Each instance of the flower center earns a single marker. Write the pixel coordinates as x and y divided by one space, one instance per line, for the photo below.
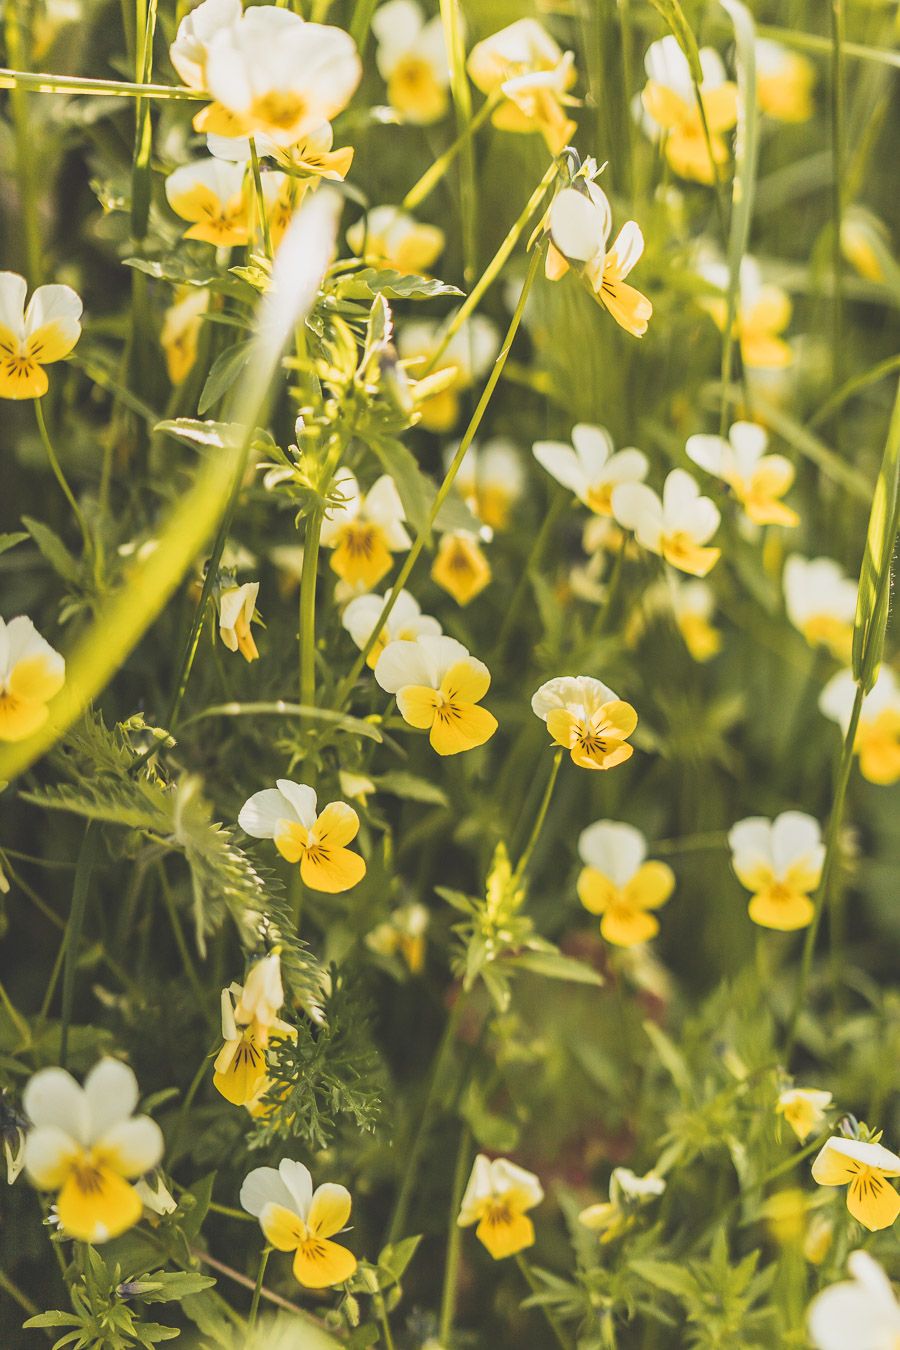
279 108
361 540
19 367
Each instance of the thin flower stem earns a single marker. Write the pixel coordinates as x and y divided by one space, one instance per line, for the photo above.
837 188
269 1295
384 1323
74 84
257 1288
260 199
539 819
311 546
87 856
552 1320
433 175
181 943
454 1236
721 210
18 1295
61 477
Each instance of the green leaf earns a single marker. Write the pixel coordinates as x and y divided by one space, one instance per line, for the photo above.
167 1286
667 1276
467 904
394 1258
53 1319
873 599
8 541
343 721
201 1191
456 515
411 788
183 273
53 549
416 492
554 966
369 282
226 370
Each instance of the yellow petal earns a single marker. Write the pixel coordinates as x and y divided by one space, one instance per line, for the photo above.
282 1228
626 927
617 716
504 1233
239 1073
667 109
465 683
651 886
35 680
760 351
595 891
361 555
628 306
96 1204
688 154
872 1200
461 569
291 840
683 553
331 869
329 1211
417 704
613 752
22 378
318 1264
461 726
20 717
336 825
563 726
781 909
50 342
720 106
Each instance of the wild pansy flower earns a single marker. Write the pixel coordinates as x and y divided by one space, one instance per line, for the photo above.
86 1144
295 1218
490 480
580 223
497 1198
784 82
763 313
388 236
618 883
465 359
180 335
404 934
237 606
804 1109
34 337
863 1167
406 622
214 196
758 480
693 605
31 672
460 566
316 839
364 529
439 688
591 467
780 862
878 734
412 60
627 1193
190 50
671 109
249 1022
524 64
677 526
585 717
821 603
861 1313
309 158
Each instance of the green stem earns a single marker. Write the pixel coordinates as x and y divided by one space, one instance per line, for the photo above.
74 84
436 171
61 477
384 1323
16 47
530 1279
311 544
362 22
87 856
17 1295
454 1236
837 169
539 819
257 1288
260 199
451 18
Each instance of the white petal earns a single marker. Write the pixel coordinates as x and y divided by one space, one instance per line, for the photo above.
265 1186
346 489
23 642
46 1149
749 440
54 304
594 446
843 1317
506 1176
13 290
52 1097
710 452
136 1145
299 1182
750 842
396 26
836 699
637 507
402 664
628 247
111 1090
478 1188
667 64
794 836
563 464
578 227
261 813
626 466
302 800
615 848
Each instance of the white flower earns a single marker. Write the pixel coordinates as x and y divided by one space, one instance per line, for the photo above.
763 312
288 815
34 337
858 1314
780 862
497 1196
676 527
87 1145
180 333
156 1196
31 672
364 529
491 479
878 734
237 606
412 60
668 106
524 63
627 1185
821 602
294 1217
439 686
803 1109
693 604
249 1022
784 82
592 469
189 51
758 480
406 622
580 224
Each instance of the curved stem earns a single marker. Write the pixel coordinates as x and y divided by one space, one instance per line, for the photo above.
80 889
257 1288
433 175
61 477
539 819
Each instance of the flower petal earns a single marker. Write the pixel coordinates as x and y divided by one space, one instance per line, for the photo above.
52 1097
329 1210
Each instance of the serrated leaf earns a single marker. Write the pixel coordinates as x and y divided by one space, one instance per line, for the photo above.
167 1286
182 273
667 1276
370 282
53 549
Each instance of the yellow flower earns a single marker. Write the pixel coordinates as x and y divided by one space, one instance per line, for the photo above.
295 1218
784 82
31 672
406 622
491 480
821 602
237 606
863 1169
86 1144
403 933
439 687
412 61
364 529
878 735
214 196
180 334
758 480
866 243
677 527
34 337
693 604
497 1198
588 719
803 1109
780 862
592 468
670 108
524 64
617 883
579 224
460 567
467 356
287 814
763 313
249 1023
627 1193
390 237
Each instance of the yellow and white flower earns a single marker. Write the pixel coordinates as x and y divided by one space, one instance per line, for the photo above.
364 529
821 603
780 862
288 815
309 158
405 623
863 1168
784 82
862 1312
249 1022
878 735
412 60
180 333
214 196
190 50
671 110
804 1109
491 480
295 1218
627 1193
677 527
86 1144
593 467
588 719
524 64
237 606
403 934
439 687
466 358
497 1198
31 672
758 480
619 884
34 337
763 313
390 237
580 225
460 566
693 605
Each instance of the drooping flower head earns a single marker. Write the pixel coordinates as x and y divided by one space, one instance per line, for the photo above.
497 1198
588 719
31 672
780 862
677 526
591 467
491 480
671 109
618 883
34 337
784 82
803 1109
405 623
863 1168
861 1312
821 602
288 815
763 313
580 223
439 688
237 606
460 566
249 1022
524 64
412 60
390 237
364 529
758 480
86 1144
295 1218
878 734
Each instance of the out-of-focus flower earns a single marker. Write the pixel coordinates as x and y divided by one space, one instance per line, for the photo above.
763 313
404 934
460 567
878 735
758 480
49 20
803 1109
491 480
585 717
364 529
295 1218
390 237
784 82
627 1194
618 883
497 1198
86 1144
670 104
468 355
439 687
12 1133
677 526
865 243
249 1022
693 605
214 196
412 60
31 672
821 602
180 333
406 622
819 1237
780 862
34 337
580 223
863 1168
189 52
592 468
287 814
156 1198
524 64
237 606
862 1312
